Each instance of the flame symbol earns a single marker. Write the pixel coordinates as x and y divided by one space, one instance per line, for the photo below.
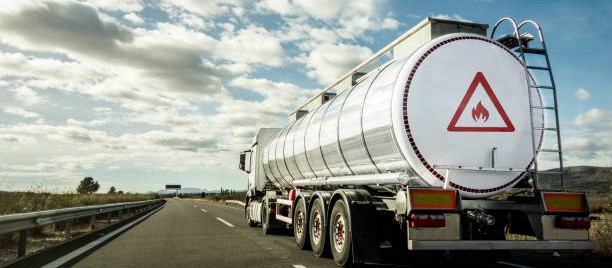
480 113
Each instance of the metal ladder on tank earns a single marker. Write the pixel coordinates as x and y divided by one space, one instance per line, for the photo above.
520 43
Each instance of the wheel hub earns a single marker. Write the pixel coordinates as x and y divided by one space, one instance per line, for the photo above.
299 223
316 228
339 233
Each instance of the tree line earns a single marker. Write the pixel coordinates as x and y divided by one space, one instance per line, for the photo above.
88 186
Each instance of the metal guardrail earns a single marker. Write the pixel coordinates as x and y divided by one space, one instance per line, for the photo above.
235 202
25 221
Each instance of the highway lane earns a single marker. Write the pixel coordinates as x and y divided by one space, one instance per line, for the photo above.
191 233
182 235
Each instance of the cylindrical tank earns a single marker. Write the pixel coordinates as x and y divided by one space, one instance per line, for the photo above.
455 113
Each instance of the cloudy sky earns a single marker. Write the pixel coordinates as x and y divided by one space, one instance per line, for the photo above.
138 93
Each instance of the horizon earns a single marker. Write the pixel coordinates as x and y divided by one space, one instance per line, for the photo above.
139 93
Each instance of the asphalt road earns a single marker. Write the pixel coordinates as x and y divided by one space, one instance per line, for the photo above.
187 233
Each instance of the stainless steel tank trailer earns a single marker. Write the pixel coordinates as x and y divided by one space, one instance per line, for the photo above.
440 148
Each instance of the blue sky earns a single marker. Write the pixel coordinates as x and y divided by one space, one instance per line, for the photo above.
139 94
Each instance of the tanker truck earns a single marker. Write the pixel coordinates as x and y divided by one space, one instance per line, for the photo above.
453 144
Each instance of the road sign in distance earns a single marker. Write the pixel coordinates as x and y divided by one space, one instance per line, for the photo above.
173 186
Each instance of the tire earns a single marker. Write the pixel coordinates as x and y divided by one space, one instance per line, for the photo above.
300 225
340 238
250 221
317 229
265 218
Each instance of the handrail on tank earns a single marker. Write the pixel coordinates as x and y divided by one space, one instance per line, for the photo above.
536 25
514 25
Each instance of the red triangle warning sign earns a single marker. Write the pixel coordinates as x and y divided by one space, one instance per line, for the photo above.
479 112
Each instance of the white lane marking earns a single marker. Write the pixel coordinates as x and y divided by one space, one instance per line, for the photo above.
225 206
204 210
514 264
226 222
195 206
68 257
299 266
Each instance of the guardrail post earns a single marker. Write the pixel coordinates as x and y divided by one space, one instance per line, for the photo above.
21 246
121 214
68 229
92 222
108 217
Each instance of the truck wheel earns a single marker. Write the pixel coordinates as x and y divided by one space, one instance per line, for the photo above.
251 222
318 229
300 224
247 215
265 218
340 234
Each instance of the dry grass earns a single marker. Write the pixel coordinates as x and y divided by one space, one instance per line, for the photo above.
601 234
21 202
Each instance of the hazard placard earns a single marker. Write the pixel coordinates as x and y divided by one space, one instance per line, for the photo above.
479 118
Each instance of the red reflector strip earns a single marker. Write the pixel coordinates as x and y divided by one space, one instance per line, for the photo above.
292 194
433 199
426 220
573 222
561 202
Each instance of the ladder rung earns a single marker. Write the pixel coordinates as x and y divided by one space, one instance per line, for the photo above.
539 86
544 107
545 128
534 50
548 150
537 67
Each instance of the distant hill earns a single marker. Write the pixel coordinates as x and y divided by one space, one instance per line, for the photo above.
588 178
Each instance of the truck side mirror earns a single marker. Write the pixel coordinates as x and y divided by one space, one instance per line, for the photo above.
245 161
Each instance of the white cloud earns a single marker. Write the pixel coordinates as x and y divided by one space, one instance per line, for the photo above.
327 62
118 5
594 118
331 8
66 25
282 7
320 9
103 110
390 23
208 8
450 17
92 123
347 19
19 139
27 96
590 142
162 59
133 18
20 112
278 95
193 21
18 64
582 94
252 45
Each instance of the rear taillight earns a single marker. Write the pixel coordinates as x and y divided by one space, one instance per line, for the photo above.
418 220
573 222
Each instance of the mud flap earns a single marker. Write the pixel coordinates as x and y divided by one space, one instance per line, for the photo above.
366 234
